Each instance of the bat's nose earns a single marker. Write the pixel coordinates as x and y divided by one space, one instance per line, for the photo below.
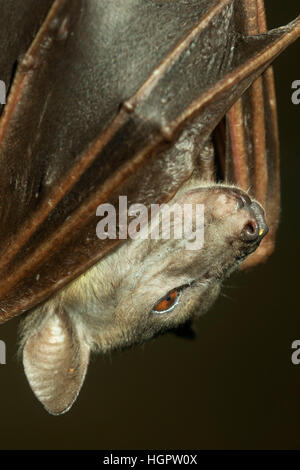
255 227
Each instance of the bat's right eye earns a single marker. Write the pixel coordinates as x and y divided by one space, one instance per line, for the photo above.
168 302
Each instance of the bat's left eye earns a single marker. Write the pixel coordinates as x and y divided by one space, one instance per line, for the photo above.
168 302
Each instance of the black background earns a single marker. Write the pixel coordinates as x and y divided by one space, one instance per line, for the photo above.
233 387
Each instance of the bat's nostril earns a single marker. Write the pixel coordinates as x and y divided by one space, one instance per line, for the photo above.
255 227
250 231
251 227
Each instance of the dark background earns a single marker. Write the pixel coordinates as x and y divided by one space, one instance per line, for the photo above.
233 387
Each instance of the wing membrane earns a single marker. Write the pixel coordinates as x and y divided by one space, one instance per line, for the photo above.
67 146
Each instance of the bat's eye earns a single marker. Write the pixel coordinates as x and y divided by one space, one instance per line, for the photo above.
168 302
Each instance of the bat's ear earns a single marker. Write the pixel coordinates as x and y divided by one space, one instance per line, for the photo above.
55 359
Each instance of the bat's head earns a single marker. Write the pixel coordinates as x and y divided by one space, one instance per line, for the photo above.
150 284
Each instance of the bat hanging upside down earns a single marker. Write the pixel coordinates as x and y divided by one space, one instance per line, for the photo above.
145 287
165 102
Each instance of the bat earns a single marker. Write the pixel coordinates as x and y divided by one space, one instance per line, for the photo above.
162 101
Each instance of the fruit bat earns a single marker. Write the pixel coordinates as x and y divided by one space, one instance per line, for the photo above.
164 101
